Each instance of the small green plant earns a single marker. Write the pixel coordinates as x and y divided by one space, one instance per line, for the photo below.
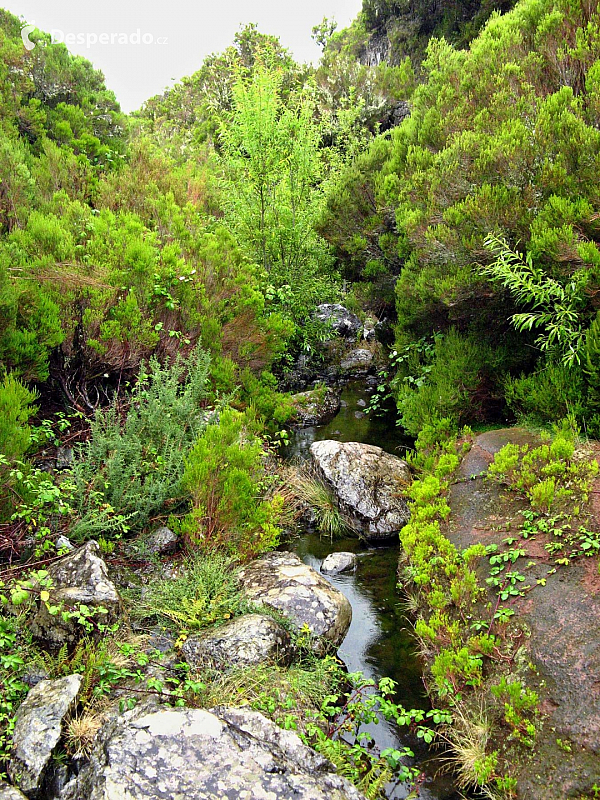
564 745
468 739
16 408
550 476
520 703
204 593
453 669
13 689
45 509
338 733
542 494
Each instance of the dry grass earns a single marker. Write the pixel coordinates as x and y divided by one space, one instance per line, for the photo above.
81 732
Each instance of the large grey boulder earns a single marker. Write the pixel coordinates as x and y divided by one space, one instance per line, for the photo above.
10 793
283 582
369 485
342 321
246 641
315 407
81 577
197 754
37 731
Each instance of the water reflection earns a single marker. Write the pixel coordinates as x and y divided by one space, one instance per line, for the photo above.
348 427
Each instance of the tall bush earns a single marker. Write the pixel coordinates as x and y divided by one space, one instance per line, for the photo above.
16 407
226 476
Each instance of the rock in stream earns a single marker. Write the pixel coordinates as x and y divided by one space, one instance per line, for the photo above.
283 582
335 563
369 485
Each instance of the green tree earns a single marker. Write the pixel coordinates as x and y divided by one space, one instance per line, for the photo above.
271 186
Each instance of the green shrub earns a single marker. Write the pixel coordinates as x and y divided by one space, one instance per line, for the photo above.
448 387
30 327
274 407
548 474
506 462
134 467
425 490
591 362
16 407
453 668
226 477
547 395
542 494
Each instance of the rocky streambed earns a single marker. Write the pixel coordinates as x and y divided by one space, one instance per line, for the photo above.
344 592
154 751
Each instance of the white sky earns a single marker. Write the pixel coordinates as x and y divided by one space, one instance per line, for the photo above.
191 30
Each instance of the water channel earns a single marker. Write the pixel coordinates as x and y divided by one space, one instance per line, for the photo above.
379 642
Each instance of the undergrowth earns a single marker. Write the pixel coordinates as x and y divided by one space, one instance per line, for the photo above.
204 592
463 648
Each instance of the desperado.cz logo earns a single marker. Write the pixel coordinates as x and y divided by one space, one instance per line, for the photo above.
90 39
25 31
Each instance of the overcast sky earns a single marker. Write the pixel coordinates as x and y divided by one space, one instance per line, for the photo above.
181 33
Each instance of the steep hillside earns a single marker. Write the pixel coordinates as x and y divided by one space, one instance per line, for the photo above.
484 204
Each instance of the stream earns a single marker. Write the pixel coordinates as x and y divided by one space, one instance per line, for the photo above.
379 642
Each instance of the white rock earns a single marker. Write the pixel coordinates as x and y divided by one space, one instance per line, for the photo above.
338 562
369 485
81 577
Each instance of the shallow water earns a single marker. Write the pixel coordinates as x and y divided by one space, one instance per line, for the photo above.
347 426
379 642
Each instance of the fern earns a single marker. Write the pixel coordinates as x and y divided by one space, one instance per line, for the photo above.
54 664
554 307
374 782
206 592
65 663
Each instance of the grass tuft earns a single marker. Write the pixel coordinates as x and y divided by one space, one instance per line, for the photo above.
81 732
468 740
311 490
